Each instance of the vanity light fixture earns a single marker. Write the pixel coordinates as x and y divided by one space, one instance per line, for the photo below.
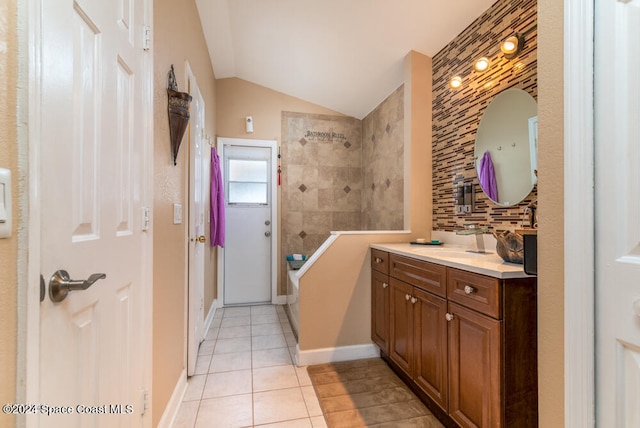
455 82
481 65
512 46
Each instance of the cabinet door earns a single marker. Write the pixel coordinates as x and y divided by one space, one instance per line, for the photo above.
401 326
474 367
380 310
430 341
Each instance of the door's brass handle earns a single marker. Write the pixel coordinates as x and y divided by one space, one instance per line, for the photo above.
201 239
60 284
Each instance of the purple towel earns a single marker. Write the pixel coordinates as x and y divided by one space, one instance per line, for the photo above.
216 213
487 177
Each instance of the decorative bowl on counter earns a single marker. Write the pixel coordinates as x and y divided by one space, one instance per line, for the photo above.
510 246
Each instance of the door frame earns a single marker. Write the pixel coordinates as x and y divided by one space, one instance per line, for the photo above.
273 145
29 311
579 219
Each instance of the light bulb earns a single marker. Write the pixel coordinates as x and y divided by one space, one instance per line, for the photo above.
509 45
481 64
512 46
455 82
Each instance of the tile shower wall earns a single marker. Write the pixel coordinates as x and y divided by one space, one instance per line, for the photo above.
321 178
383 165
457 113
341 173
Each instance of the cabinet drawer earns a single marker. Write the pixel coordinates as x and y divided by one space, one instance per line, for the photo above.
478 292
428 276
380 260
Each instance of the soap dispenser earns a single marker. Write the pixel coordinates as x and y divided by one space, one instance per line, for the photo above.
460 198
469 198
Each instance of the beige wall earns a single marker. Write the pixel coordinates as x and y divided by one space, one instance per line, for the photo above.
177 38
9 247
417 113
237 98
335 293
551 213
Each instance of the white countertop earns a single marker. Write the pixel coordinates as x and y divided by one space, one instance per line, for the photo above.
490 264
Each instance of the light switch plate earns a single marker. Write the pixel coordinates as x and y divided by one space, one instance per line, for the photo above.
177 214
5 203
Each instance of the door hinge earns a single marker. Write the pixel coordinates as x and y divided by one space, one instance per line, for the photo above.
146 37
144 401
146 220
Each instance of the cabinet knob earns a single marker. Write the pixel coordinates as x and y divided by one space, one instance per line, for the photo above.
378 260
449 317
385 285
414 300
469 289
407 296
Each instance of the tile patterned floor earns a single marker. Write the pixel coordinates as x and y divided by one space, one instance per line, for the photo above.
245 376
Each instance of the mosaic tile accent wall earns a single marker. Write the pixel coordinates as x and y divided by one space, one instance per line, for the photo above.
383 165
321 178
457 113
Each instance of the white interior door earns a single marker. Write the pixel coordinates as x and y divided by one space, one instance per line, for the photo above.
617 154
197 240
94 82
248 180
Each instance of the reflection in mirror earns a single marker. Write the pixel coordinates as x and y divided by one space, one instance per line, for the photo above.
506 149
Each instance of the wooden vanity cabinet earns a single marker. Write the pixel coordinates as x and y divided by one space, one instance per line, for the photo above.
401 325
380 299
465 342
493 350
474 373
418 332
431 366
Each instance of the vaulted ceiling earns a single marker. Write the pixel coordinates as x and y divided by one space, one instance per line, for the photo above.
346 55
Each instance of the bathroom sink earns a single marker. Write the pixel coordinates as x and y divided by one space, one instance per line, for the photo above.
458 253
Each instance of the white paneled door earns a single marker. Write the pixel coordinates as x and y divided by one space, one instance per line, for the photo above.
94 84
617 159
198 187
249 197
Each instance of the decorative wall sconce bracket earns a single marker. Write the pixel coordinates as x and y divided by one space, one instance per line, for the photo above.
178 108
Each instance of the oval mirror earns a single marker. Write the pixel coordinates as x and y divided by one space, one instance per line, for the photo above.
506 149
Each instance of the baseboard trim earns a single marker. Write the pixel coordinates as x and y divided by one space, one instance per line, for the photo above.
331 355
209 319
173 406
279 300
